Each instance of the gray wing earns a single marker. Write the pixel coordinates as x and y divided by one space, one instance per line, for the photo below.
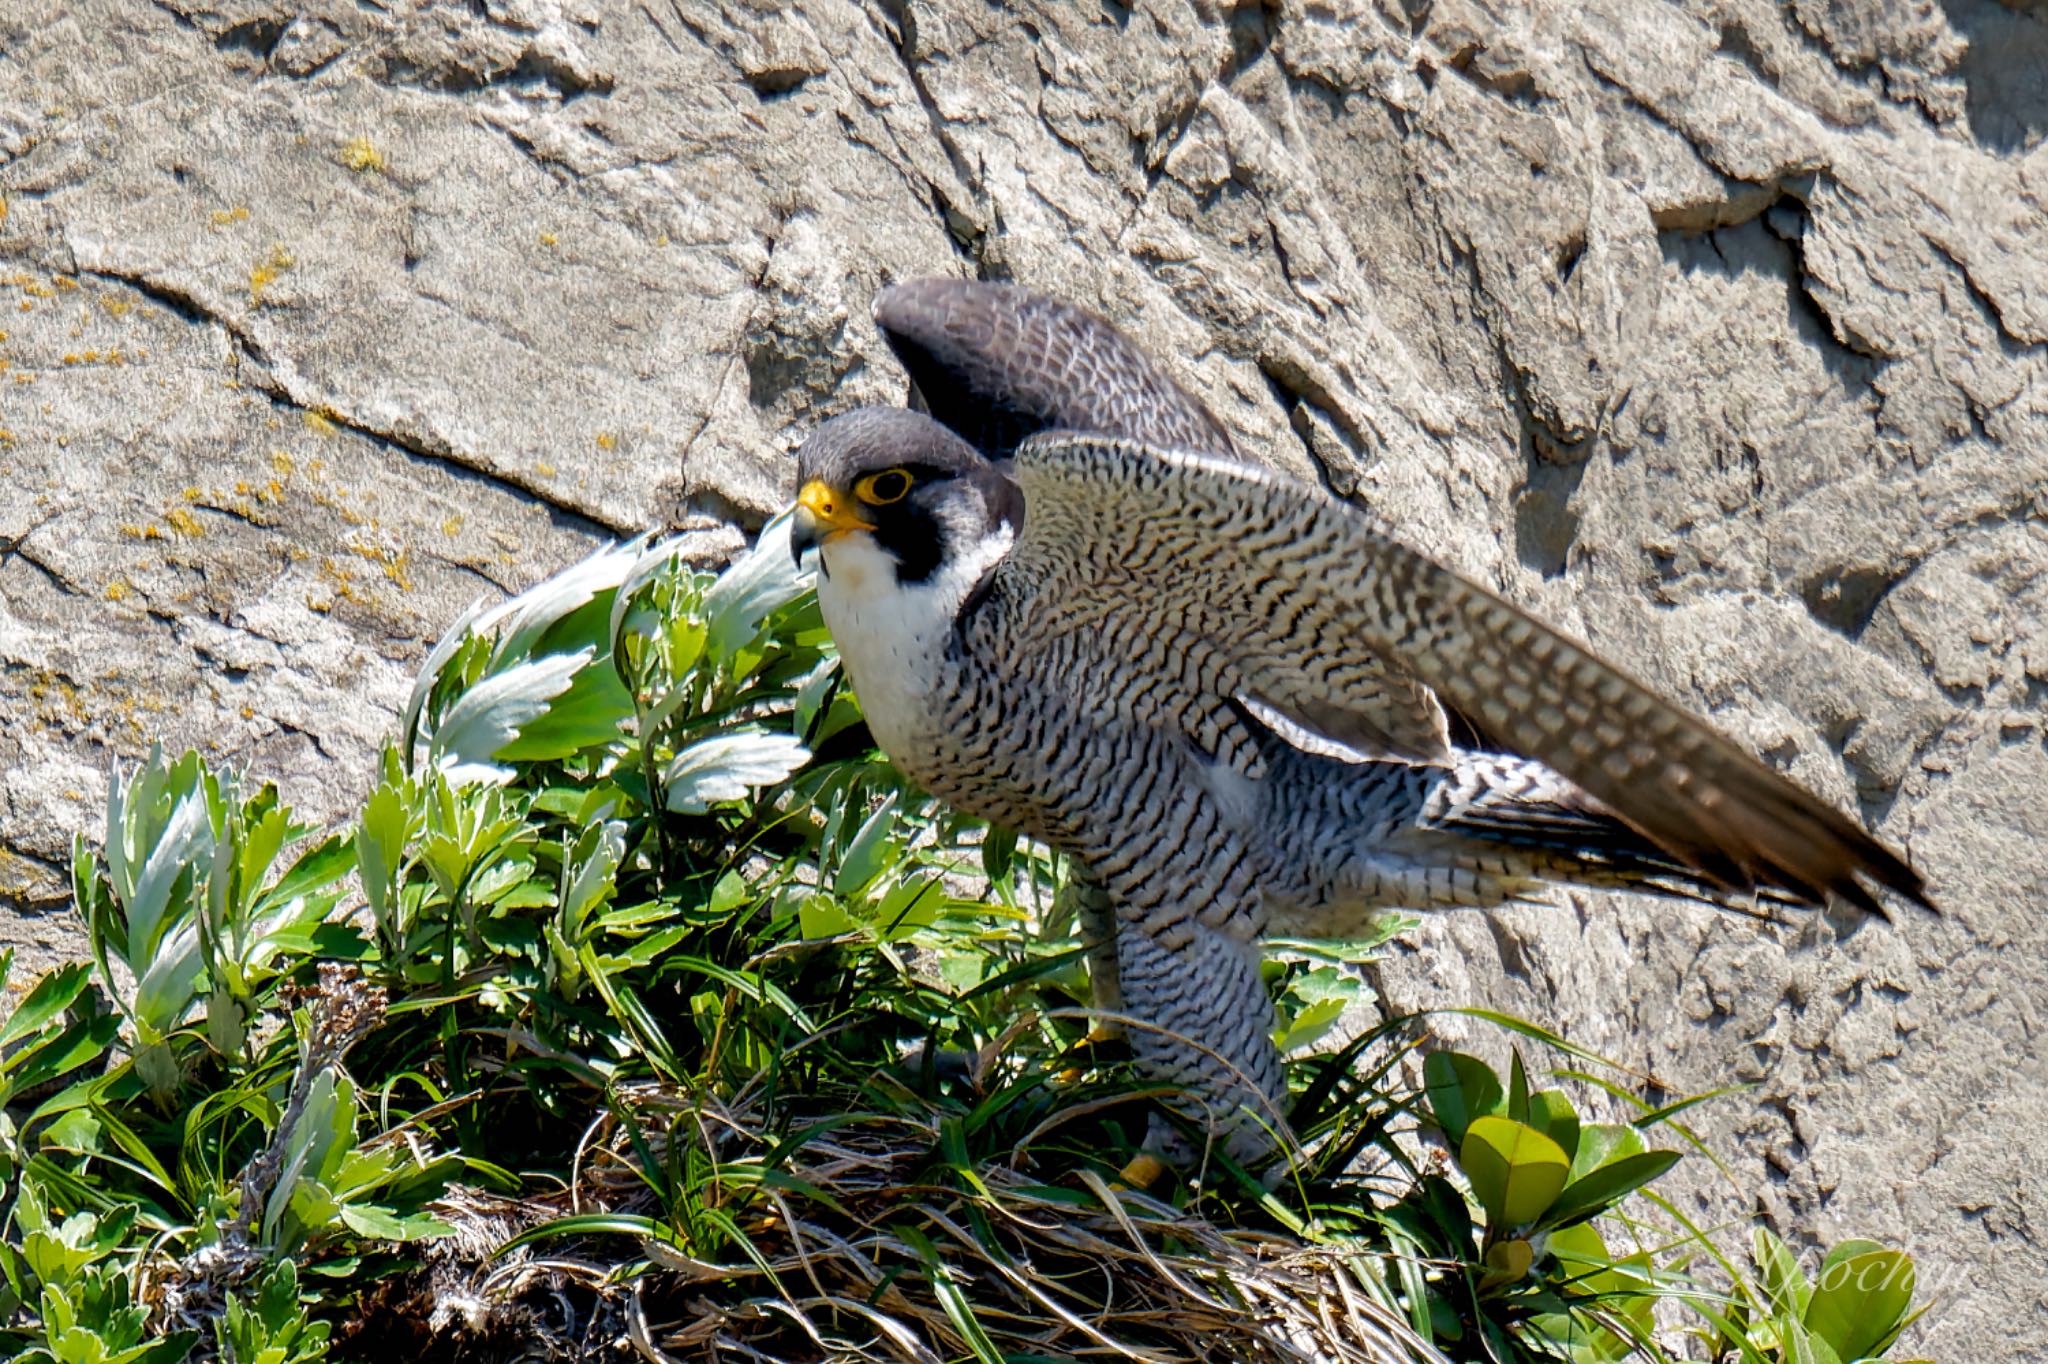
1316 608
998 363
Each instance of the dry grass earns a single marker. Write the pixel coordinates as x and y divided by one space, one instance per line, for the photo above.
863 1243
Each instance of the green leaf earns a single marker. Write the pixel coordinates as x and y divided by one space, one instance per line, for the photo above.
51 996
911 904
589 871
77 1130
1311 1024
1783 1281
869 851
998 852
1603 1143
1460 1088
318 869
1552 1114
821 916
588 715
58 1055
1516 1171
1859 1298
758 582
381 836
959 1311
490 715
1609 1184
367 1219
592 1224
728 767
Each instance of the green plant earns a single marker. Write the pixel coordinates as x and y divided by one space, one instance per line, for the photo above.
1855 1306
637 952
271 1325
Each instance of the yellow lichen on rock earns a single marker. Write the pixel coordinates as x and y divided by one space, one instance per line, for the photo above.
359 155
267 271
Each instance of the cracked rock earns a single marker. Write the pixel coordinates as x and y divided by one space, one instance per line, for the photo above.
1716 332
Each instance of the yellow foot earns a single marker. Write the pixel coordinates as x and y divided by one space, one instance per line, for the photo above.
1143 1172
1097 1036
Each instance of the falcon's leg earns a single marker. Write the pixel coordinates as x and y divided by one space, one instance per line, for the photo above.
1199 1018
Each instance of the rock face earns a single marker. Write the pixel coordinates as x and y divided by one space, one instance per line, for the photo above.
1716 332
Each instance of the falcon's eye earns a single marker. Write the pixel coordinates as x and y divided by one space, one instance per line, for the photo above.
879 490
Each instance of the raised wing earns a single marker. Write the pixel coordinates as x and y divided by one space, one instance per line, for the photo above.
998 363
1318 609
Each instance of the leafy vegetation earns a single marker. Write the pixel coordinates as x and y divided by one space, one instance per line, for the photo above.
643 1002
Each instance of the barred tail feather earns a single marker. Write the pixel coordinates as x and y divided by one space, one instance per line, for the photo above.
1516 804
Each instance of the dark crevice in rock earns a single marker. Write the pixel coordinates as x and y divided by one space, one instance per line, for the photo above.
903 41
1294 381
287 727
464 566
1967 694
1875 794
776 83
1291 402
261 374
1740 202
536 72
178 16
1251 34
43 894
166 296
1516 86
1845 598
1514 955
703 501
1546 526
560 171
257 37
579 518
1855 360
1569 253
656 24
1251 37
1735 41
2005 98
2010 342
18 549
545 69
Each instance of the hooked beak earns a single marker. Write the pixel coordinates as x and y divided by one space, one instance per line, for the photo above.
822 516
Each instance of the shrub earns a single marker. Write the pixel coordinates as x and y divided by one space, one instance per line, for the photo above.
643 999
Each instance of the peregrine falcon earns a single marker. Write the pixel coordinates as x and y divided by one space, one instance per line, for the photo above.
1240 705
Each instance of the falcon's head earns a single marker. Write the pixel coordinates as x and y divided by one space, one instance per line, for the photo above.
891 494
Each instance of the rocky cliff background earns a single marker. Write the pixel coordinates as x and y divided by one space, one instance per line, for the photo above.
1715 332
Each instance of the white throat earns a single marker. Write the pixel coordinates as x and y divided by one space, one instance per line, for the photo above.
891 635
